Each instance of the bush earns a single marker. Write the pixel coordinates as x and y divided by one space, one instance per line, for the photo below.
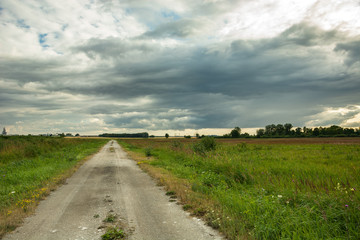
205 145
209 143
148 151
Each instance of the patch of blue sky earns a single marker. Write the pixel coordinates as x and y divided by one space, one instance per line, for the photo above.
170 14
21 23
42 40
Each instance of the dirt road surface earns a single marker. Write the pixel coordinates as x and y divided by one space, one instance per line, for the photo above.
110 183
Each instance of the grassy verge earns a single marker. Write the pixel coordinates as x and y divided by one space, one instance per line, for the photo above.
257 191
30 167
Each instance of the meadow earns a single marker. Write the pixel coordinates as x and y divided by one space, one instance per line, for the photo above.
261 189
31 167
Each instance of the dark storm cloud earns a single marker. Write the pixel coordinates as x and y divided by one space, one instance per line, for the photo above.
236 83
184 66
352 49
23 70
114 48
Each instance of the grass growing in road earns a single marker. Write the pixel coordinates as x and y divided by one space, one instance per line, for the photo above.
31 166
113 233
266 191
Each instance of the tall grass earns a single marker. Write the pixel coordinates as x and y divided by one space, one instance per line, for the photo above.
29 164
272 191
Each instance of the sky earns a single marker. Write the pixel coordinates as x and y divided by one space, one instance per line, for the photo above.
182 67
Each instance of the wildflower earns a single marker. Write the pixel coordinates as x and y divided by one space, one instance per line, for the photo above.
9 212
12 192
352 189
346 205
287 202
279 196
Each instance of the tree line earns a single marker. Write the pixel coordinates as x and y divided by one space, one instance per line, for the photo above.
288 130
126 135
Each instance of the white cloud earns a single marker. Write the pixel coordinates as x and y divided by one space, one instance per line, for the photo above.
66 23
263 19
348 116
352 122
339 15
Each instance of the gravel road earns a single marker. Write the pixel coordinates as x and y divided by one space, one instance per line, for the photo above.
110 183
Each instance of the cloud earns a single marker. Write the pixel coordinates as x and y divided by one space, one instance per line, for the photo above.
179 29
348 116
103 66
115 48
352 49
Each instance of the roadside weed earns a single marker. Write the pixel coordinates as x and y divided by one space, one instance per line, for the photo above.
113 233
110 218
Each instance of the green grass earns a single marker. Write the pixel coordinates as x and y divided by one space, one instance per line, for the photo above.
308 191
113 233
29 162
31 166
110 218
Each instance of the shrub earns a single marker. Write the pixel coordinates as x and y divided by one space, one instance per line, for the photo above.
209 143
206 144
148 151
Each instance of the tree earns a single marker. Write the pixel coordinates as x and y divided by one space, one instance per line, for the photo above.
235 133
280 129
349 131
4 132
166 135
334 130
270 130
260 132
307 131
288 127
316 132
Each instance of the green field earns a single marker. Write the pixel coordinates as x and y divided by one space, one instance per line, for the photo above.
30 166
265 190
